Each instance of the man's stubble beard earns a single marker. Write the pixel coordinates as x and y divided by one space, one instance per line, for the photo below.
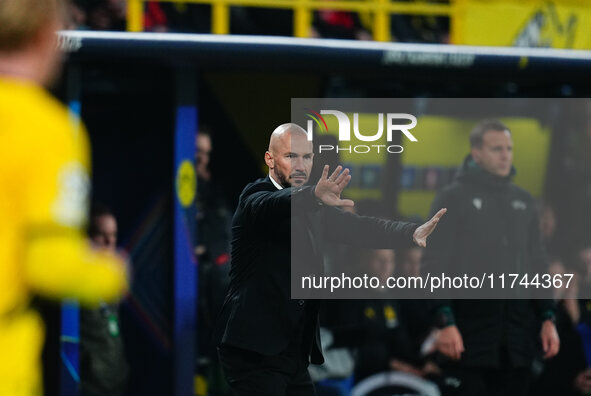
285 181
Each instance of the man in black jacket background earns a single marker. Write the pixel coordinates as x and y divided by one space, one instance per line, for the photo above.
103 366
266 339
493 225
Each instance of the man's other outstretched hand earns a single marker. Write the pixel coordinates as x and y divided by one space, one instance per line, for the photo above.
328 189
422 232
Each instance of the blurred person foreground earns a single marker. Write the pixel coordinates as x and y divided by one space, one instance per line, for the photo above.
44 181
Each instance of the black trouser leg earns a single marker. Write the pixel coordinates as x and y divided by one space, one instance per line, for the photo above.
252 374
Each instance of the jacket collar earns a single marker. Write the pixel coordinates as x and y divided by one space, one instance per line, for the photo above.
275 183
471 172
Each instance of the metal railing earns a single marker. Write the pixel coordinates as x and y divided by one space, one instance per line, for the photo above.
303 9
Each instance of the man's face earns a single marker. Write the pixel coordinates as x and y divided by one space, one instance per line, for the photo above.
547 221
203 153
382 264
496 153
117 7
585 257
411 265
291 161
106 232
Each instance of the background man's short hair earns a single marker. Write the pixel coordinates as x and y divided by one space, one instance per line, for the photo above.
476 136
204 130
97 210
21 20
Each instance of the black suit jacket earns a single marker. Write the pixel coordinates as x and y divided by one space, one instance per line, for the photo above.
259 314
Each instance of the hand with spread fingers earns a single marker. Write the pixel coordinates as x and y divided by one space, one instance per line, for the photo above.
328 189
422 232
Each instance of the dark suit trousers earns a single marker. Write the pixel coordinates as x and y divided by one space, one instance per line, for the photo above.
286 374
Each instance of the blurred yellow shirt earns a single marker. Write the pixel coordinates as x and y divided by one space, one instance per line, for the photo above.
44 186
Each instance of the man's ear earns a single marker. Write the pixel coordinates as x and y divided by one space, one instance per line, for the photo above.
269 160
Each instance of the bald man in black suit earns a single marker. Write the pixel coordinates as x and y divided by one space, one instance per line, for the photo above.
266 339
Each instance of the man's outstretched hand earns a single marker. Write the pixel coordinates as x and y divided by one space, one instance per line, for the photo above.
328 189
421 233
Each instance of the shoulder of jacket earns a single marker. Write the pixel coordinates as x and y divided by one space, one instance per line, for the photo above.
257 186
452 189
521 192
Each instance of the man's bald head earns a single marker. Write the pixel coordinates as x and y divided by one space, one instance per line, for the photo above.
283 133
290 154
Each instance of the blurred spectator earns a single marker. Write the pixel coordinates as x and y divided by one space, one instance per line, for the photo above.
213 216
548 224
106 15
77 16
584 258
582 382
380 263
102 229
416 312
111 15
103 367
203 148
375 327
339 25
155 19
571 186
411 261
547 221
567 297
567 373
387 343
584 327
213 252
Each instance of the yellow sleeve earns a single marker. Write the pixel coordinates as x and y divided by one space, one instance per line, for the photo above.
58 173
58 260
64 266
